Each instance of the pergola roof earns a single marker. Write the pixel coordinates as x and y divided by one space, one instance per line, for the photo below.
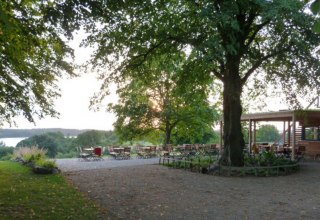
305 117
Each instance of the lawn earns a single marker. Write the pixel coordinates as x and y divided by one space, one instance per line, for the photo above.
25 195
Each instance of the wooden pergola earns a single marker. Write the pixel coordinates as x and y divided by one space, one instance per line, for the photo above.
289 119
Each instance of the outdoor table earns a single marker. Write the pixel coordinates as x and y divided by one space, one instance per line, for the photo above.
264 147
88 150
118 149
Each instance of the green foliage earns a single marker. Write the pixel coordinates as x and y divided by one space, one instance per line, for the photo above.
267 158
32 59
57 145
196 162
267 133
96 138
24 195
194 135
315 8
5 152
49 142
50 164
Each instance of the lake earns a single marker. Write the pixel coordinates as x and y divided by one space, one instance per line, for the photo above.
12 142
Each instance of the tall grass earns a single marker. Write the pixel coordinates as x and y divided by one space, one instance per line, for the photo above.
29 154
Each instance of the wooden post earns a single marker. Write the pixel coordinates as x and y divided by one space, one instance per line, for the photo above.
284 132
289 134
294 136
254 133
221 135
250 135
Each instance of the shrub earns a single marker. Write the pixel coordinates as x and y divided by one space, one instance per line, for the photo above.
5 152
267 158
45 163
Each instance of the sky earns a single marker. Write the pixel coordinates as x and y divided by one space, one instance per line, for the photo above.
73 106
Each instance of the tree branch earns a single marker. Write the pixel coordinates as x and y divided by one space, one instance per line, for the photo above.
259 62
253 36
145 55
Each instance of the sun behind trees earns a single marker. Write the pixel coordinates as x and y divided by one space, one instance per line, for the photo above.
155 99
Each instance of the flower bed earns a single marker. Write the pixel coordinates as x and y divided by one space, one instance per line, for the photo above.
258 171
265 164
35 158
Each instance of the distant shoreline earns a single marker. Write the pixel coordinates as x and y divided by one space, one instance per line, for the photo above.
18 133
12 141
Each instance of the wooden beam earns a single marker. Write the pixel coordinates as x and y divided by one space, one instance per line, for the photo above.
294 137
284 132
289 134
254 133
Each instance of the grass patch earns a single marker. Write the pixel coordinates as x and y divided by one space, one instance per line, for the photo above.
25 195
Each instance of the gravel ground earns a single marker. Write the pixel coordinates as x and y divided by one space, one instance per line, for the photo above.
75 164
157 192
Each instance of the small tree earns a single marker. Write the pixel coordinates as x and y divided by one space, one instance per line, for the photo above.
267 133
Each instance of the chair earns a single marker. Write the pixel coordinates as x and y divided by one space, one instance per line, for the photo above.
113 153
255 149
127 153
97 153
166 150
300 153
153 151
83 155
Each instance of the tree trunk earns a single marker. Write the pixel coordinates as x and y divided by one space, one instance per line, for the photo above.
233 138
168 135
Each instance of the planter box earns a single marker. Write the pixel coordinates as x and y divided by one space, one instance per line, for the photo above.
43 170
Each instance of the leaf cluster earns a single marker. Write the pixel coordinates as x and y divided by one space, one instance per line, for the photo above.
33 56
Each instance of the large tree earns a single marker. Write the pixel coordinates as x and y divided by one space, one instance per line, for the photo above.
230 40
32 58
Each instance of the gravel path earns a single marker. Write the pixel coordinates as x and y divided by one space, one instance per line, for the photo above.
75 164
157 192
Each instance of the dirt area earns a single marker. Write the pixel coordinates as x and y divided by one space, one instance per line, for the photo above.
157 192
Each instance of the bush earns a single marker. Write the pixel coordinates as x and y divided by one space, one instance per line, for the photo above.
267 158
49 164
70 154
5 152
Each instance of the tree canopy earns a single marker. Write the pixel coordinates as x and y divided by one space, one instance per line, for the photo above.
32 58
229 40
95 138
267 133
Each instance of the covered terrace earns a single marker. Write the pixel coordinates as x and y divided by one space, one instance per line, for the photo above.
295 123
